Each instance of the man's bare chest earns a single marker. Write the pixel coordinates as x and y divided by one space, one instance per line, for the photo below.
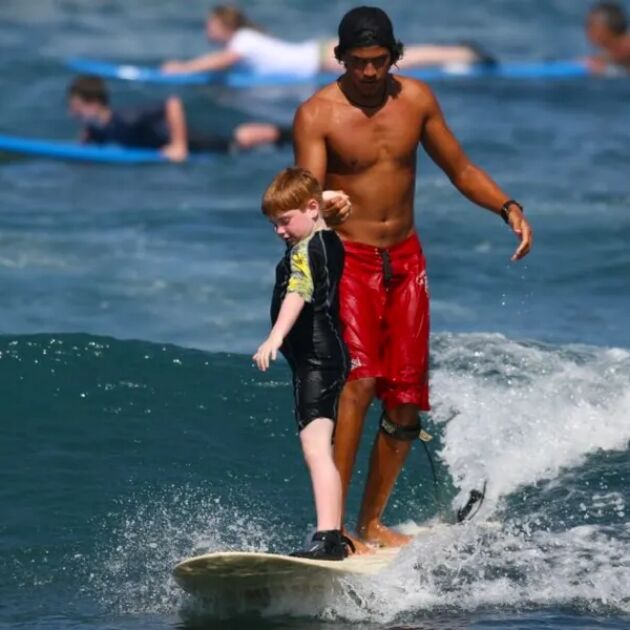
356 141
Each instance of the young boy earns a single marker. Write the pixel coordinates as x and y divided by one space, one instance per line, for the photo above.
159 126
305 318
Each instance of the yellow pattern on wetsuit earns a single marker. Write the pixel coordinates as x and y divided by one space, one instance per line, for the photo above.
301 278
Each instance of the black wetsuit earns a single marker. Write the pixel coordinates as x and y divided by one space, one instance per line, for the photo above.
314 347
147 128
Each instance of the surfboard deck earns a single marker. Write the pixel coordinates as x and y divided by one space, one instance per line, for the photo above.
252 571
61 150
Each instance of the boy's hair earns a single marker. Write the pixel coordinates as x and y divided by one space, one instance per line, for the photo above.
612 15
290 189
90 89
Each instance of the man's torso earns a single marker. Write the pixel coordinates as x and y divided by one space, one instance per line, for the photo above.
372 157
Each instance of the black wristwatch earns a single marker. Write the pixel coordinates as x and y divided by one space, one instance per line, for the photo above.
505 208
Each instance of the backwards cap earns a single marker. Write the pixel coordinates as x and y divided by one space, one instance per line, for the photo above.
367 26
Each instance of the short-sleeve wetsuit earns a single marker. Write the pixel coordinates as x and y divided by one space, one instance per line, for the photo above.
314 347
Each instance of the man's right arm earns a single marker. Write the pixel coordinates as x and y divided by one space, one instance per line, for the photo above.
309 144
309 149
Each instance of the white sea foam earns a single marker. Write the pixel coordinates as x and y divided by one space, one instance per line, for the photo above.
525 412
514 414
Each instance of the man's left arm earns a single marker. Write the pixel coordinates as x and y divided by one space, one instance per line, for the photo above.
473 182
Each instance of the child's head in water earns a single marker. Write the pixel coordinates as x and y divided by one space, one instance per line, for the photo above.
88 98
292 202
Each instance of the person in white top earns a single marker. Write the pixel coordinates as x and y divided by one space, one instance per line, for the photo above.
248 47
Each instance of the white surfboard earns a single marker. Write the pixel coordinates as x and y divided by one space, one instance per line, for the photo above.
245 571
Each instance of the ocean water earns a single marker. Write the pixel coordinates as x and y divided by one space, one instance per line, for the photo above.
134 431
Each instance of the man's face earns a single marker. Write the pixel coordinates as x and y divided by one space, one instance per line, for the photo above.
597 32
367 68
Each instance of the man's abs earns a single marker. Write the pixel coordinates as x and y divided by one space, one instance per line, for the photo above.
382 206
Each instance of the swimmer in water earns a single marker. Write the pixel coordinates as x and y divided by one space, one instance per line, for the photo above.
607 30
245 45
161 125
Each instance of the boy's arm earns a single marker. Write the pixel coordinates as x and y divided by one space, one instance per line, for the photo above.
300 290
213 61
177 148
290 310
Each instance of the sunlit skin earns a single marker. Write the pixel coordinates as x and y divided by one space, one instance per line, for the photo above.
360 134
615 47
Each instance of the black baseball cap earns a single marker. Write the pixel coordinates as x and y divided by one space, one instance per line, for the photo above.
362 27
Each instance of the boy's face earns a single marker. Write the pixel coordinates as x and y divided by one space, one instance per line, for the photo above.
293 226
83 110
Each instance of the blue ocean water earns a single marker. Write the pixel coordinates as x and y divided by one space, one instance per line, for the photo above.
134 431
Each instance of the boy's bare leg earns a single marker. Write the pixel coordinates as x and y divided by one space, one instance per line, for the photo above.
316 440
386 462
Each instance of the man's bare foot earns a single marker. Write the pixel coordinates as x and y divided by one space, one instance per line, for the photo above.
360 548
377 534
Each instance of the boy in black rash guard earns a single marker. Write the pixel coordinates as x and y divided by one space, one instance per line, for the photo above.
159 126
305 317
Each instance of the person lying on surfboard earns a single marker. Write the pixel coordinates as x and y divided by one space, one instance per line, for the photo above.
245 45
159 126
305 319
607 29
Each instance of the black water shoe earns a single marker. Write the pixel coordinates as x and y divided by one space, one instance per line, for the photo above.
327 545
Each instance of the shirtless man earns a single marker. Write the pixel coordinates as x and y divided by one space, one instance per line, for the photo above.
360 135
607 29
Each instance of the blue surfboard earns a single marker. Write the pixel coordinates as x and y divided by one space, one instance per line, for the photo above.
243 79
112 154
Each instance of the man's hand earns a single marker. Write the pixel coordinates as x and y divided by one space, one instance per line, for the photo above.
523 230
267 352
337 207
175 152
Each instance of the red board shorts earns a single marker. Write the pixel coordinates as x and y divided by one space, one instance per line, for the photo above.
384 309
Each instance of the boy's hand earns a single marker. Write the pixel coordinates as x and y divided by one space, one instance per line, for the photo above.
268 350
337 207
175 152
